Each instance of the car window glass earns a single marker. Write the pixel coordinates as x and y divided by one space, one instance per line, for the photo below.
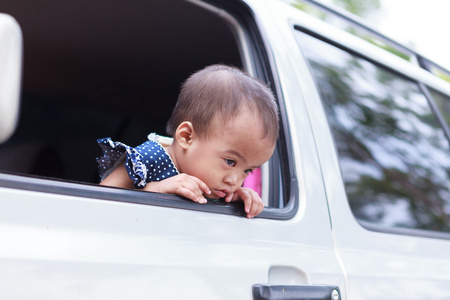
393 154
443 103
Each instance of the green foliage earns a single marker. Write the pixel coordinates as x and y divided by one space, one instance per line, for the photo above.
309 9
358 7
442 75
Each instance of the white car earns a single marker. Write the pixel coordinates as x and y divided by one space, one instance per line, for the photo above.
357 192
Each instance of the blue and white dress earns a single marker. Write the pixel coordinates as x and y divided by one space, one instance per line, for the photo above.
145 163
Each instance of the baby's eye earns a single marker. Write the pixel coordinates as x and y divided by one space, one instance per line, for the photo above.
248 171
230 162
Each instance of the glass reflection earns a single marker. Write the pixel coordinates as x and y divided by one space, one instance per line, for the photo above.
393 154
443 104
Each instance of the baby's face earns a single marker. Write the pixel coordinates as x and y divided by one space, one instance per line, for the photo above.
228 155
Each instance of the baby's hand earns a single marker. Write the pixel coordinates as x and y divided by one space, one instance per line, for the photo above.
252 202
184 185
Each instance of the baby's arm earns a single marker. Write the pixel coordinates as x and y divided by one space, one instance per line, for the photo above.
187 186
253 204
118 178
184 185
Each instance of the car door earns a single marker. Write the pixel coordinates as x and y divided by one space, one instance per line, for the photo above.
384 155
77 240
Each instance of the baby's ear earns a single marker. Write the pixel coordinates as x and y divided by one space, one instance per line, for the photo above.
184 134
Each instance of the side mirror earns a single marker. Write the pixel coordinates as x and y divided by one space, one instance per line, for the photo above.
10 74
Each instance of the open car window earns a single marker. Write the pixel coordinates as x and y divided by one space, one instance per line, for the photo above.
114 70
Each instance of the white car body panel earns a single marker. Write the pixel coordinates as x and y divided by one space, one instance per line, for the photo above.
85 249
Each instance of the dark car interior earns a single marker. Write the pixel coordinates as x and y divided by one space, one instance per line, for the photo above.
100 68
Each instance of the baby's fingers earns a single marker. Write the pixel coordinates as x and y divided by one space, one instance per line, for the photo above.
193 188
203 187
229 197
188 193
253 204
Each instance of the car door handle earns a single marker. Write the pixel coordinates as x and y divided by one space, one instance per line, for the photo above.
295 292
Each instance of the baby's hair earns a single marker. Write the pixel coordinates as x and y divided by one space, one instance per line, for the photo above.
225 90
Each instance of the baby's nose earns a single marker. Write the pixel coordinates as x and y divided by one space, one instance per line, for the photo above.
231 179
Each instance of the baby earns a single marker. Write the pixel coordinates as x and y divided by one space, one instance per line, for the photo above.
224 126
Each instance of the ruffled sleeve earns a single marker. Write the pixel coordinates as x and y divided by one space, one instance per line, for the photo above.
144 163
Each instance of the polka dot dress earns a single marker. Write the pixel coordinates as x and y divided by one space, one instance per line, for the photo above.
145 163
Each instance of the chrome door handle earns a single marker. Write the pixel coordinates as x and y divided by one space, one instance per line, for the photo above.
295 292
